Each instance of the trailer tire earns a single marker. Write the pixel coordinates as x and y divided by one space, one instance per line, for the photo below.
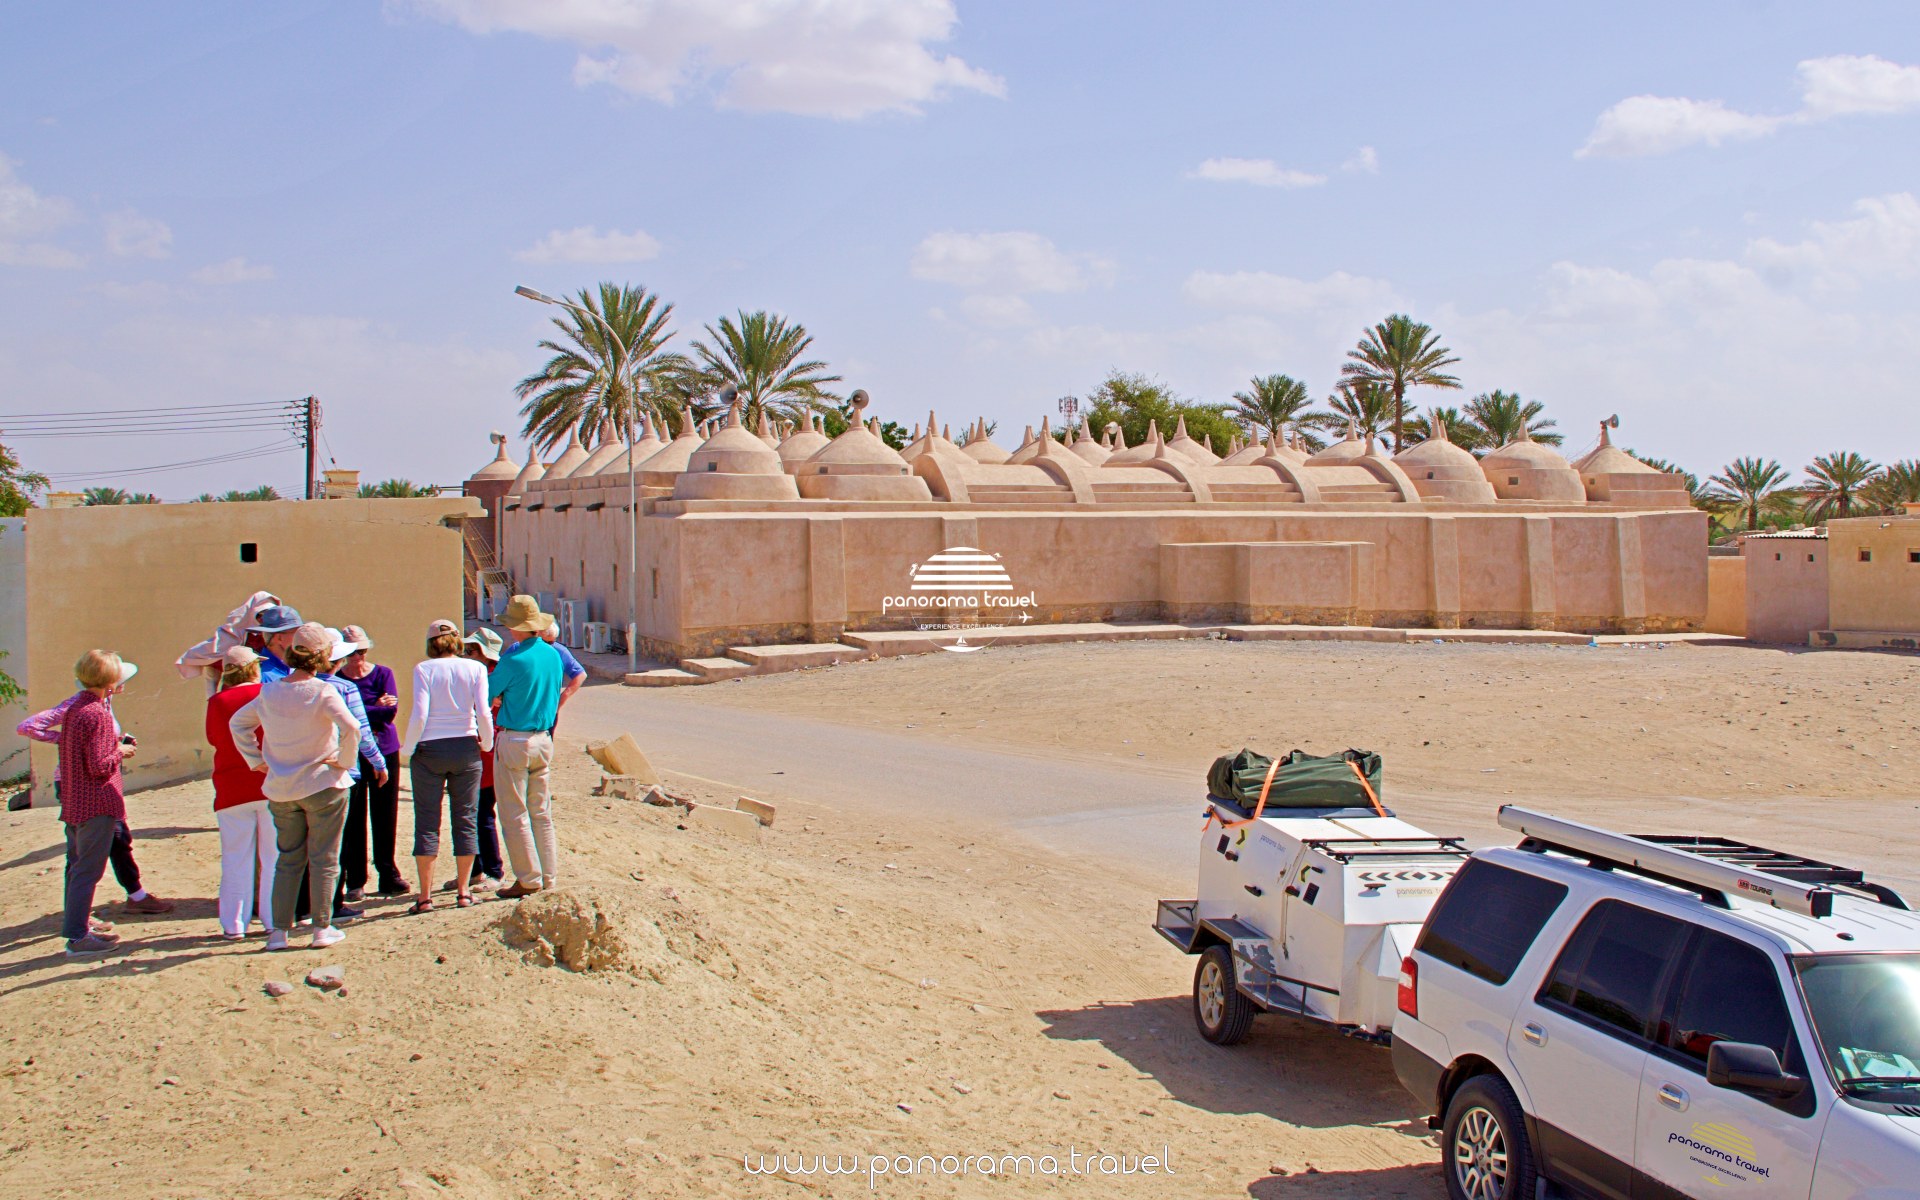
1223 1014
1483 1144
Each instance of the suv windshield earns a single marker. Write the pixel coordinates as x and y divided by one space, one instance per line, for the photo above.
1866 1015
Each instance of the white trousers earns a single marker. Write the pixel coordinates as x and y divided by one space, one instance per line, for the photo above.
248 853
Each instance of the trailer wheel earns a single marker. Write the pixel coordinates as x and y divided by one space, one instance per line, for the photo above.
1483 1144
1222 1013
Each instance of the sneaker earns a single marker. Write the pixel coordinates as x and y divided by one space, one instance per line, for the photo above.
89 946
343 913
150 904
356 895
394 887
329 935
516 891
276 939
482 883
96 925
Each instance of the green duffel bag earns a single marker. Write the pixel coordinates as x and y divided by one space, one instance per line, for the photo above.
1302 781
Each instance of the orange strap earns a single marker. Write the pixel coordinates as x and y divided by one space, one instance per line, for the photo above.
1366 787
1265 785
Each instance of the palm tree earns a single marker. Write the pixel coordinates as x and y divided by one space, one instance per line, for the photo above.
90 497
265 491
1695 492
1271 403
1502 416
596 375
763 357
1369 408
388 489
1747 489
1833 481
1895 487
1397 354
1461 429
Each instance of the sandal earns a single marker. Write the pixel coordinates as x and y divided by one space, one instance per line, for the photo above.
418 907
464 900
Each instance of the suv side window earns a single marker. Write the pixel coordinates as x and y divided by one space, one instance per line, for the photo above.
1728 992
1486 920
1610 972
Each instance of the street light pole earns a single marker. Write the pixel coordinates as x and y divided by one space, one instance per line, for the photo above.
633 493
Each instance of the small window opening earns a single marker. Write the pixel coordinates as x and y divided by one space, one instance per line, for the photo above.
616 577
1776 558
549 570
583 574
656 582
249 552
1866 556
1513 481
1809 558
1429 474
713 466
1913 556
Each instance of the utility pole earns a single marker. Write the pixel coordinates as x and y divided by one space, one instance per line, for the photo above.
312 414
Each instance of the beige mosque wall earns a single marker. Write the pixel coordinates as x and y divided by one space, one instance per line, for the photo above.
1786 586
1873 575
1727 595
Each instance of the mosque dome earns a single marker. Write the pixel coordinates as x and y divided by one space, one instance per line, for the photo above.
1087 448
672 458
1441 470
533 472
801 445
644 447
858 465
606 448
501 467
1182 443
1609 459
1528 470
936 443
570 458
1133 456
734 464
980 447
1345 450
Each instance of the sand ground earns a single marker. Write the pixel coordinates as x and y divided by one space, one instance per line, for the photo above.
865 982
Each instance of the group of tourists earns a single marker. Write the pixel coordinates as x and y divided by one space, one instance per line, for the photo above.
306 762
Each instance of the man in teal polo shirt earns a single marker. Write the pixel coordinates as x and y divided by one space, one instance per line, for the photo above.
525 688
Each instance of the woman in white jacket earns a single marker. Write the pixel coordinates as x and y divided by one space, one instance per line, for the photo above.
308 740
450 723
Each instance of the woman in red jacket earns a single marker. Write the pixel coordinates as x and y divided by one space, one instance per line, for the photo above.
246 828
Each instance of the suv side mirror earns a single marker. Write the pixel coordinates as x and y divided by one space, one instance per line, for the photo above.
1750 1068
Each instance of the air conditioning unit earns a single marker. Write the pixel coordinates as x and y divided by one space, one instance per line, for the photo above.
549 601
573 616
599 639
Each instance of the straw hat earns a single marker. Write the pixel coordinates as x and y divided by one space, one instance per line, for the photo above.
523 615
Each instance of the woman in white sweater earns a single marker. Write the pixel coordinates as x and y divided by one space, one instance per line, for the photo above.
308 740
450 724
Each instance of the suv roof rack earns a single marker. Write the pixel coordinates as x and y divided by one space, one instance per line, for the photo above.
1713 867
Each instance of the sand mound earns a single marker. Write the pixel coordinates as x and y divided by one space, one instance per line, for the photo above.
586 931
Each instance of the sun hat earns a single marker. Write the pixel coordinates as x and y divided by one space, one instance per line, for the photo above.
275 618
436 628
127 671
523 615
313 637
341 646
488 641
238 656
358 636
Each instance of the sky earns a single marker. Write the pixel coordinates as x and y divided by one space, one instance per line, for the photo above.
1700 217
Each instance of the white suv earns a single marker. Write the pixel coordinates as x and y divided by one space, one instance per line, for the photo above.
1598 1015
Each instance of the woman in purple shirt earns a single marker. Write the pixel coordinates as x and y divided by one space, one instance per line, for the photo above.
369 801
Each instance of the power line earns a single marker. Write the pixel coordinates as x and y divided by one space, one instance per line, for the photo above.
266 451
286 405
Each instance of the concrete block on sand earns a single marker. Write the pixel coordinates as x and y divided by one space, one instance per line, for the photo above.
761 810
731 821
623 758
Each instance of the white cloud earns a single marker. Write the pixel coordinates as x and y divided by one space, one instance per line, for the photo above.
997 312
233 270
1261 172
130 235
1011 263
1829 87
1642 125
1882 241
26 218
1365 160
585 244
1262 291
829 58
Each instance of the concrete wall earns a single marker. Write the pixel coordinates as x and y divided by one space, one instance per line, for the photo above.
151 580
13 639
1873 577
1786 588
714 574
1727 595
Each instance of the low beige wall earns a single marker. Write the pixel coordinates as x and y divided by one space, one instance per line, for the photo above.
1786 588
1727 595
1873 575
151 580
13 642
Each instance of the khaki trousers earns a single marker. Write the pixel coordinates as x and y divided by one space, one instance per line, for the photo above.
525 806
307 834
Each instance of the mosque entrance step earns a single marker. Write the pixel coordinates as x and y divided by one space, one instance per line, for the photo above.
663 677
766 660
715 669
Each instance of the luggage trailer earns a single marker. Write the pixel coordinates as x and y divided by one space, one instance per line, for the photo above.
1306 913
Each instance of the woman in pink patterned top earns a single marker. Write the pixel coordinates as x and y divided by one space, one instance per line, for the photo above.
92 805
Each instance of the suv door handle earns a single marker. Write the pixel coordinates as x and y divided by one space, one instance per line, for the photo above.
1673 1097
1534 1033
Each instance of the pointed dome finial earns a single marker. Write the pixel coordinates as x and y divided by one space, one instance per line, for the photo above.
1353 429
1153 433
1436 428
1605 440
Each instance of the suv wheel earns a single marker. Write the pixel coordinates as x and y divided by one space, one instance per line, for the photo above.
1222 1013
1483 1145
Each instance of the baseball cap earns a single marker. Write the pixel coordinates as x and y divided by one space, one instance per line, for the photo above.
341 646
275 618
239 656
436 628
358 636
313 637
